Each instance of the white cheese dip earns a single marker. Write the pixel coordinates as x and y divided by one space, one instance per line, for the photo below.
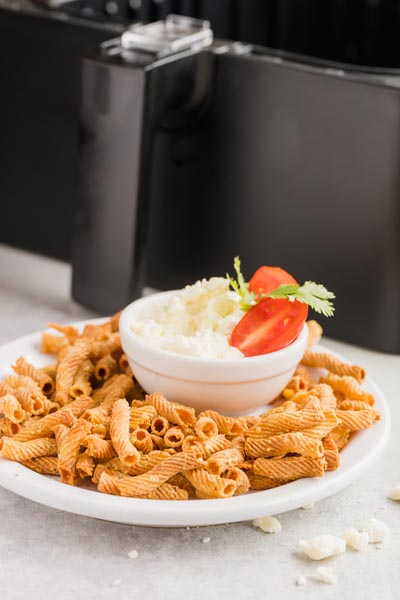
197 321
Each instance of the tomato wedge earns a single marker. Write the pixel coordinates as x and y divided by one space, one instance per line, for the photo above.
266 279
270 325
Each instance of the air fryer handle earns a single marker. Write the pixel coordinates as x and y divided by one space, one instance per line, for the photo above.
107 252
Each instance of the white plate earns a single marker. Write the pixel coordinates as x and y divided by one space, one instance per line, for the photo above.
356 458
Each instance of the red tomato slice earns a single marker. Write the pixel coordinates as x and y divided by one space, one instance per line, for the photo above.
270 325
266 279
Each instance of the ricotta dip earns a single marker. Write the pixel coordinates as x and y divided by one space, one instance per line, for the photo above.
197 321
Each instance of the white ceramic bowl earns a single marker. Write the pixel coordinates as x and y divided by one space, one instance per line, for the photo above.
233 387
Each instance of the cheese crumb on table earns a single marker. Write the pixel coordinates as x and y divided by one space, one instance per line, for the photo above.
322 546
356 540
206 540
395 493
268 524
301 580
325 574
133 554
377 531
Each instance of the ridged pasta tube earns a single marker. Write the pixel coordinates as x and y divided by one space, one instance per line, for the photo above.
68 367
289 468
226 425
223 460
46 465
44 427
349 387
174 412
210 486
331 453
284 443
20 451
11 408
141 485
45 382
119 431
324 360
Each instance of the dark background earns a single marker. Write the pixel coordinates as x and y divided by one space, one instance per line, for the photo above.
40 59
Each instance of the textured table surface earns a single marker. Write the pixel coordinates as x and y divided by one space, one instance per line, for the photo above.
48 554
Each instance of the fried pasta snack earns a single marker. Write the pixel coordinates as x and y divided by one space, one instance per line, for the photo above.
85 418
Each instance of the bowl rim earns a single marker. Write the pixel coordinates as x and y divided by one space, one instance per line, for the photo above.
256 364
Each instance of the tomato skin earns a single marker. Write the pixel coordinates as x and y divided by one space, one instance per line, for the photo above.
270 325
266 279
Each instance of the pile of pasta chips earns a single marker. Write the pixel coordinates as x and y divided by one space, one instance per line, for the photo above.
85 418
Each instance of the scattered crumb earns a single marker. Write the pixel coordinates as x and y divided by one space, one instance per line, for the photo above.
377 531
206 540
359 501
378 546
301 580
356 540
308 506
133 554
395 493
383 507
116 582
325 574
322 546
268 524
300 516
187 527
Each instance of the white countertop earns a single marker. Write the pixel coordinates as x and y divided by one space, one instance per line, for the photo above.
49 554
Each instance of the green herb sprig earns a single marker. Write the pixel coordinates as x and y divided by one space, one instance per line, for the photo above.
314 294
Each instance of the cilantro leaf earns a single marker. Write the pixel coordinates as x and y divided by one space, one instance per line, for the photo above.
311 293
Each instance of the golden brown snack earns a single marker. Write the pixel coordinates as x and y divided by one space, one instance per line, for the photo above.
223 460
11 408
141 485
68 449
314 333
141 439
284 443
105 367
82 385
45 382
324 360
75 356
119 431
349 387
290 467
331 453
226 425
46 465
206 428
166 491
20 451
242 481
174 412
210 486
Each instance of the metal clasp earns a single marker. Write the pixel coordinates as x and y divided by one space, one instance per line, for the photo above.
173 35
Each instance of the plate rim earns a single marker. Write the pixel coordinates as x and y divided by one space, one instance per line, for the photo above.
158 513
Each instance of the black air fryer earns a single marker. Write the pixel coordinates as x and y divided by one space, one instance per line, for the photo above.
194 151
